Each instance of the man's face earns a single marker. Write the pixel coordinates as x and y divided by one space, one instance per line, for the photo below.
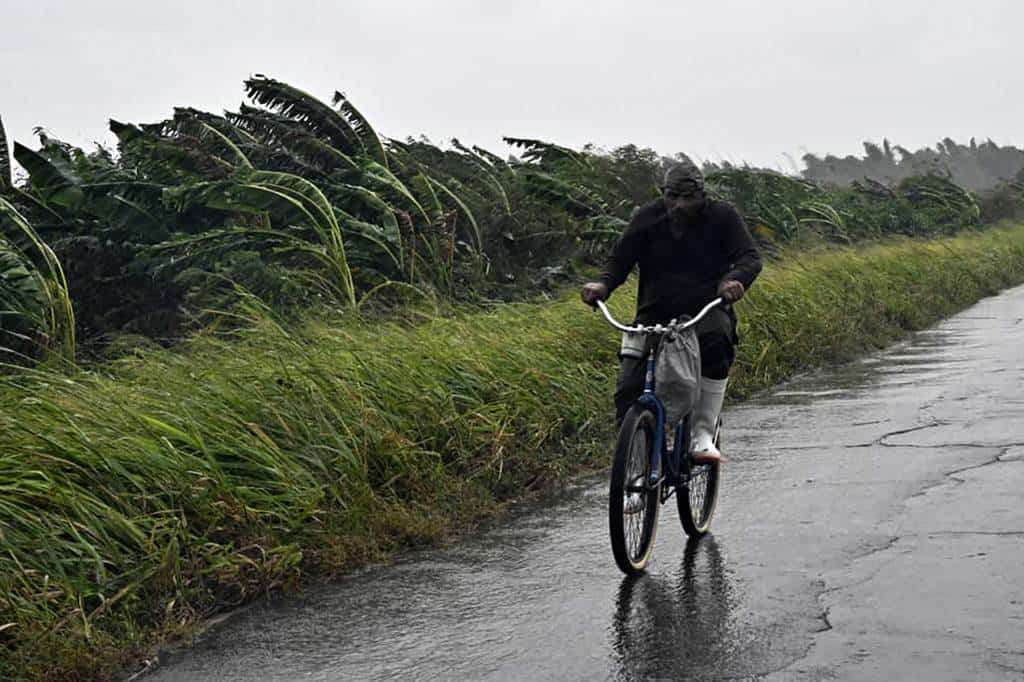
683 203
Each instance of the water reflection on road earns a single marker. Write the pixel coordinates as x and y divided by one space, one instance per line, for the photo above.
662 623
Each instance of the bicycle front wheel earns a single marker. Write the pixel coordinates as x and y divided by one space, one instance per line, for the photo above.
698 497
633 503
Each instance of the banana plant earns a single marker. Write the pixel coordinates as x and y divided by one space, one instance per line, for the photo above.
299 221
319 118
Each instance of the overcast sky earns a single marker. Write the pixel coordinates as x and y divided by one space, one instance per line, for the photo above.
728 79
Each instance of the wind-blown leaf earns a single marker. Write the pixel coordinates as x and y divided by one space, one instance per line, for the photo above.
280 243
315 115
301 189
385 179
167 159
426 195
465 211
53 185
204 132
278 131
22 289
361 127
576 199
487 170
491 158
6 174
134 207
356 197
375 235
126 132
60 314
296 199
546 153
221 124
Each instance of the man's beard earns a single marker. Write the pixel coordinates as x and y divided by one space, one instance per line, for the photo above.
684 216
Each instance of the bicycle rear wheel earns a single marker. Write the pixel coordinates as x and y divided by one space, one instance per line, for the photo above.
633 503
698 497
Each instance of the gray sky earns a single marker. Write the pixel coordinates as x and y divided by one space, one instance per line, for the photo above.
729 79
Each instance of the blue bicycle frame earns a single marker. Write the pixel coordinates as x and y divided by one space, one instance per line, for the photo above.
650 400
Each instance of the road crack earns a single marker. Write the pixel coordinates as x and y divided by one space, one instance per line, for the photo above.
889 544
1003 450
881 439
827 623
914 429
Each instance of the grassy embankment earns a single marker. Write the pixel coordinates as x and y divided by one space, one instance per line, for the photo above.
138 501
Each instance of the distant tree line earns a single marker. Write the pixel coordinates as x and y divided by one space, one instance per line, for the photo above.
973 166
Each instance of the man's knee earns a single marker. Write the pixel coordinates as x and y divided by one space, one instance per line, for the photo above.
716 335
716 365
717 353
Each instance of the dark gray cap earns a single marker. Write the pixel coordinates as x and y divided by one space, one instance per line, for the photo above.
682 176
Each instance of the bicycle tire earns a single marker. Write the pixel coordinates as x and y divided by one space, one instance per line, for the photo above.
698 497
633 514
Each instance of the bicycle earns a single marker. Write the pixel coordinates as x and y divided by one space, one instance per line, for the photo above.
640 483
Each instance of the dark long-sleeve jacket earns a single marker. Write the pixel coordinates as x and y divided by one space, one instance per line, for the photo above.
679 276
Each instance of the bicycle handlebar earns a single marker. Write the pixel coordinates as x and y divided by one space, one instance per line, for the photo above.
658 328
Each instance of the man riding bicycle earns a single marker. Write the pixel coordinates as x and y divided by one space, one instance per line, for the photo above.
689 249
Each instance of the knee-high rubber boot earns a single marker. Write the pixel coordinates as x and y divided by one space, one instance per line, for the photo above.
709 405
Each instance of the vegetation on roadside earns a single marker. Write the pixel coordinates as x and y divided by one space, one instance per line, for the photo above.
150 492
303 203
289 400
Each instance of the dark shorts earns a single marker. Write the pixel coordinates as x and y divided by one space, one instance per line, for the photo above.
716 334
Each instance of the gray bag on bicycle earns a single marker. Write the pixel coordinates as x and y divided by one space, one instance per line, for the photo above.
677 374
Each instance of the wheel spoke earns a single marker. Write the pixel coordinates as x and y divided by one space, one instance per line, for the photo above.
634 503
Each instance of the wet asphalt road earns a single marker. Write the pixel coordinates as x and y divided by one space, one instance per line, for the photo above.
871 526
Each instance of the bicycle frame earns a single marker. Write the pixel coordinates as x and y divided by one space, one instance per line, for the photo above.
678 466
675 457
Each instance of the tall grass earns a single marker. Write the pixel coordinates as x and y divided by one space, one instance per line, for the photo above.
827 305
142 497
37 270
